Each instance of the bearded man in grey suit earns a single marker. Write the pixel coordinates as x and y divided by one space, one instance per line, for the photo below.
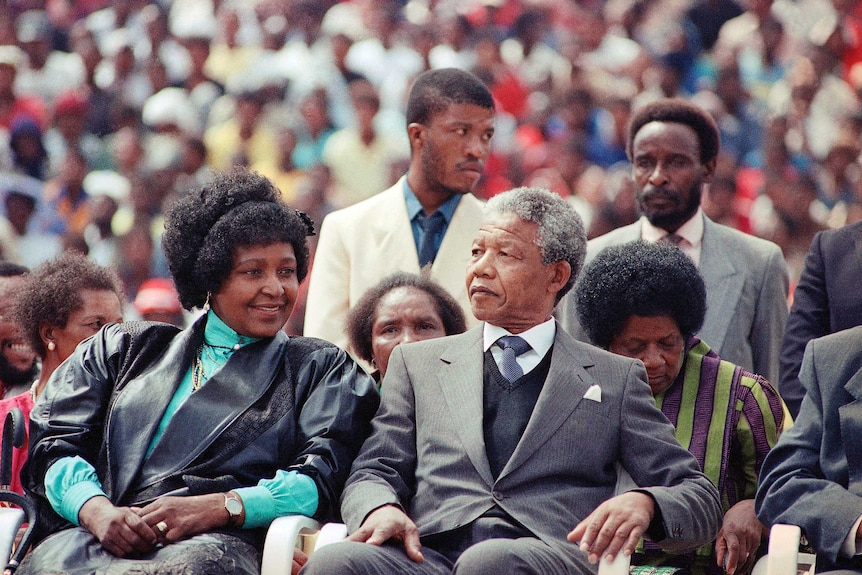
673 146
498 455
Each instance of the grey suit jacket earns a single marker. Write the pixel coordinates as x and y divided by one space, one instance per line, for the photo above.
361 244
746 295
427 453
813 475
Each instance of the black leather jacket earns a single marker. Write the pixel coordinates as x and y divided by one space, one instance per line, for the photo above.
280 403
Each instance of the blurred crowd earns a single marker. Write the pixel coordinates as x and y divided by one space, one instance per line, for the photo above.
109 110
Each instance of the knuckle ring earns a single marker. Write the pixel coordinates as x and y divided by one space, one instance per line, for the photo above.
162 527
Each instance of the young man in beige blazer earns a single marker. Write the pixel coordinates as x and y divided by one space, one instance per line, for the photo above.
450 122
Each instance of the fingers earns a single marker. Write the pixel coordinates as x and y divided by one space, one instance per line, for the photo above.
412 545
387 525
614 526
585 532
380 535
615 536
736 552
299 560
732 553
720 549
126 534
361 535
143 530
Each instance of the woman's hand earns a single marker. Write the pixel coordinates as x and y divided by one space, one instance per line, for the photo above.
174 518
739 538
119 529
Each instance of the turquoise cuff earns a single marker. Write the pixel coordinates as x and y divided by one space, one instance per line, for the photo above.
288 493
76 496
69 483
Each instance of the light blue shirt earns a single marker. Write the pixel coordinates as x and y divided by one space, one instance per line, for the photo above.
71 481
414 208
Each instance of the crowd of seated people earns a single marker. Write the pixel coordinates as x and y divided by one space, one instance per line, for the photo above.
162 93
121 124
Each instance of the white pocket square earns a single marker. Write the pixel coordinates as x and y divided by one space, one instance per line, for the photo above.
594 393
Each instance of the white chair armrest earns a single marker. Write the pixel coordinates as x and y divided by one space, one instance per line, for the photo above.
783 556
281 541
11 520
620 566
331 533
783 550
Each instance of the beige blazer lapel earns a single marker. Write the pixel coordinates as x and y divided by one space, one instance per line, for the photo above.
450 266
564 389
390 235
461 382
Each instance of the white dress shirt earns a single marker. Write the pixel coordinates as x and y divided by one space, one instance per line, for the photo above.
691 233
540 337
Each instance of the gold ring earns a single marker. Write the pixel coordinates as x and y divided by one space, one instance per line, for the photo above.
162 527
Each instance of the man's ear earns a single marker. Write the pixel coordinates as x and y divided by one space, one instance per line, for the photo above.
562 271
416 135
709 170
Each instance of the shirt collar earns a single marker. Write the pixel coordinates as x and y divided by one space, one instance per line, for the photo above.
691 231
540 337
218 334
414 208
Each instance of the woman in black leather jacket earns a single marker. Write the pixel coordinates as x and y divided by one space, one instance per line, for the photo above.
162 450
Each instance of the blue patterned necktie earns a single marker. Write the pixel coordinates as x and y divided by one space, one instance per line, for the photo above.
512 346
431 226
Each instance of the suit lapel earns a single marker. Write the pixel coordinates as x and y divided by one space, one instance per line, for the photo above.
454 253
723 286
564 389
850 415
461 382
392 234
139 406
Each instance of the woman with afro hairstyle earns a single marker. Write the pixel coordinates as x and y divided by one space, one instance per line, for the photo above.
646 301
161 450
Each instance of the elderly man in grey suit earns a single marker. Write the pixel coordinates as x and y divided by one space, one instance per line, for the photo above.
496 450
673 146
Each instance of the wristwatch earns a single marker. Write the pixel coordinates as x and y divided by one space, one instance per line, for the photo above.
233 505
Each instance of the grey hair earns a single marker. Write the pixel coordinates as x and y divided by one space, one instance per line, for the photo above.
561 231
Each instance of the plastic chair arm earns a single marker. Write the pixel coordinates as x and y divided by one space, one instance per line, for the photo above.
281 541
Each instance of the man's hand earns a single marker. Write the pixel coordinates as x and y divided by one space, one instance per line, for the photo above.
615 525
119 529
389 522
739 538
